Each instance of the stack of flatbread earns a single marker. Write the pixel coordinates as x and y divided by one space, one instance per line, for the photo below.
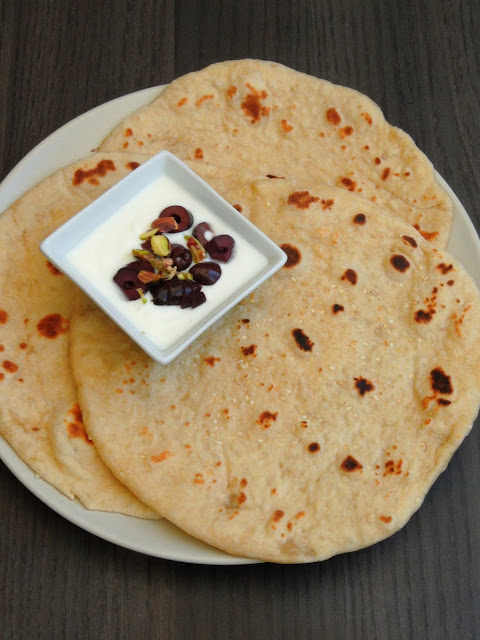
311 419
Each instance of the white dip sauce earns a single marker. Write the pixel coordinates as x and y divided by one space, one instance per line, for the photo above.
109 247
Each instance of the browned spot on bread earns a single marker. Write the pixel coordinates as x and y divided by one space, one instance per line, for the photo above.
52 326
392 468
182 101
368 119
399 262
327 204
244 320
349 464
203 99
409 240
443 402
293 255
9 366
346 131
266 419
23 345
3 316
336 308
377 160
128 132
75 426
303 341
313 447
424 316
385 519
301 199
278 515
238 207
459 318
100 170
125 145
333 116
198 155
348 183
250 350
363 386
444 268
211 360
386 173
351 276
160 457
132 165
231 91
199 478
252 106
428 235
359 218
2 377
271 176
286 127
53 270
241 498
2 348
440 381
243 482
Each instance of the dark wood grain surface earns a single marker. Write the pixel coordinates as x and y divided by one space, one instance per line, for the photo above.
420 62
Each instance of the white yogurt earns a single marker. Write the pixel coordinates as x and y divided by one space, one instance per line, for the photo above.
109 247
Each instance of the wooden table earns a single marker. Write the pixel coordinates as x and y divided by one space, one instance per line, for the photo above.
419 61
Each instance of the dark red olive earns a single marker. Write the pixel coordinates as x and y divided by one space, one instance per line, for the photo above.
206 272
139 265
181 256
159 294
197 299
175 292
182 216
221 247
201 231
127 280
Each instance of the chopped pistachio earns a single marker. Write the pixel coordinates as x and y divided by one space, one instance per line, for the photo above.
172 273
160 246
148 276
140 293
164 267
165 224
148 234
185 275
143 253
196 249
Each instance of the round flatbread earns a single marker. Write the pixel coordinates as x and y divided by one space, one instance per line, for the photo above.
313 418
40 415
264 118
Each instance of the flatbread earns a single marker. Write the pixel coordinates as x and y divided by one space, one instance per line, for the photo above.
39 412
313 418
264 118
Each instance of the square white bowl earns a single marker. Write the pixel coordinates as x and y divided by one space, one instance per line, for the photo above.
96 242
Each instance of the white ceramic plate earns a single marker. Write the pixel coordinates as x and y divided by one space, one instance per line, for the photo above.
74 141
